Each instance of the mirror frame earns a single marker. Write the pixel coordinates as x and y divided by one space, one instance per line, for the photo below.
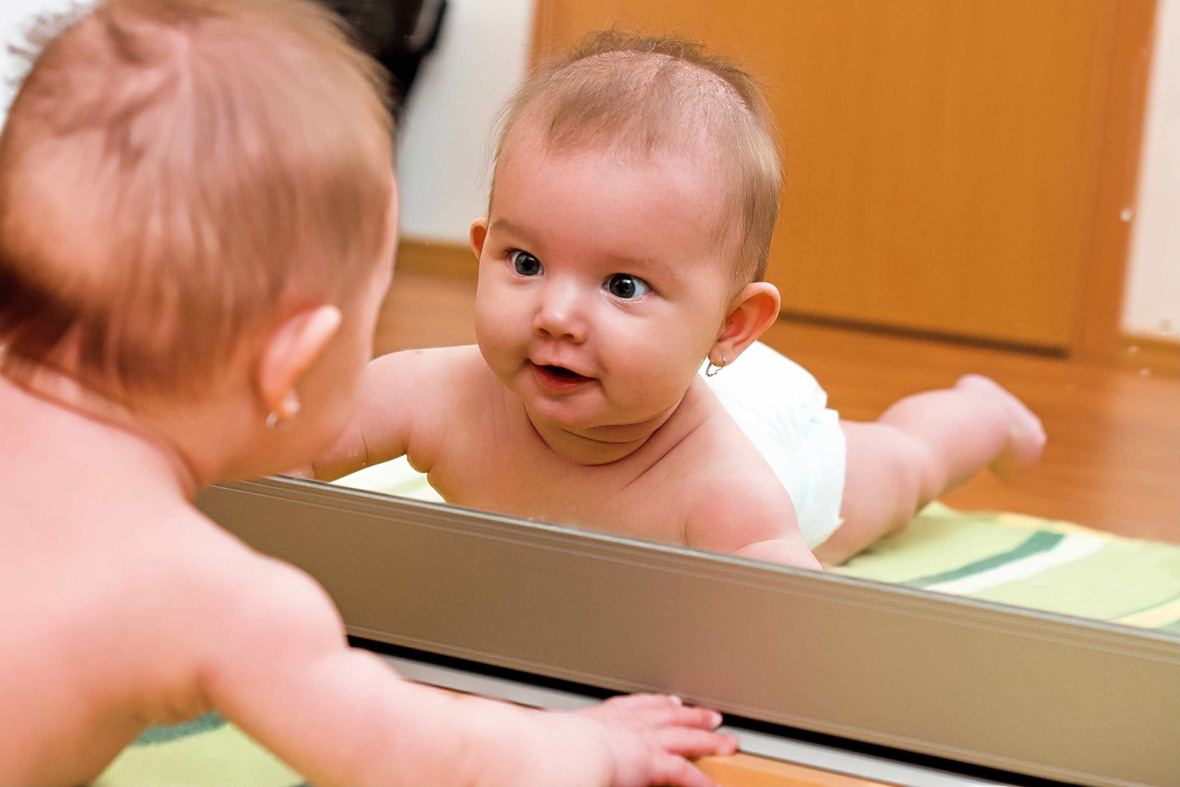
1001 687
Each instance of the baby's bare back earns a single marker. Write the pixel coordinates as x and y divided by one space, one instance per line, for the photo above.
105 595
693 482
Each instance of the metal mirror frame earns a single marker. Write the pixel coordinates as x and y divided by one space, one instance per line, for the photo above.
995 686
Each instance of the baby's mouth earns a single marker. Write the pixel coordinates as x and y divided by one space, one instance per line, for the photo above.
558 377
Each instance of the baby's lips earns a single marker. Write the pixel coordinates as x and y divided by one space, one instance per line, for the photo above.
562 366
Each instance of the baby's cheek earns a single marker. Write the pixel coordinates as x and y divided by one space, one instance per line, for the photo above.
496 346
660 381
489 332
502 321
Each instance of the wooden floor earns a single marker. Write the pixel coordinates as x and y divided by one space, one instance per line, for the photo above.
1113 458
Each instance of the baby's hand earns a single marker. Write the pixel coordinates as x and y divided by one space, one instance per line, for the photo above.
650 738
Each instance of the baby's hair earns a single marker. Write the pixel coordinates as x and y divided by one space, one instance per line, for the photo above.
644 94
173 172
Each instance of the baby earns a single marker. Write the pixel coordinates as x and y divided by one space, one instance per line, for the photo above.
634 194
197 224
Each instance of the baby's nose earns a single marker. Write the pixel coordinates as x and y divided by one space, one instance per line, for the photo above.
561 313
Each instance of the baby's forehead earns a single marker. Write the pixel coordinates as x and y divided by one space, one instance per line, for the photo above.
536 181
528 145
692 183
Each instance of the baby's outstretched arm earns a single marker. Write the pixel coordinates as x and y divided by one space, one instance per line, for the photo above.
341 716
785 550
395 399
750 520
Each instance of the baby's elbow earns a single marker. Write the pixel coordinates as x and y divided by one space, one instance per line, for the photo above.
783 551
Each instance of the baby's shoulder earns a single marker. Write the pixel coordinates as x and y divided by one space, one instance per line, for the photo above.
434 377
433 363
216 582
716 445
732 496
734 508
239 601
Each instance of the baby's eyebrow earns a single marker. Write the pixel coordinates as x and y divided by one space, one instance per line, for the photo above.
645 265
648 266
504 225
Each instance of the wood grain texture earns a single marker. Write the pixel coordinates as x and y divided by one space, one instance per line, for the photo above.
944 160
1113 458
744 770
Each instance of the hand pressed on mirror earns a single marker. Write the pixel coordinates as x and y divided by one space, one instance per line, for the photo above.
620 253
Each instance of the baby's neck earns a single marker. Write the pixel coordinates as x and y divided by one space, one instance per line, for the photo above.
602 445
598 446
54 391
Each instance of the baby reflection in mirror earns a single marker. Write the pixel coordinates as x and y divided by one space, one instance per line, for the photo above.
618 382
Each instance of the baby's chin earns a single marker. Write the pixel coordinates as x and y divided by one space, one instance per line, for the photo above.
562 414
615 426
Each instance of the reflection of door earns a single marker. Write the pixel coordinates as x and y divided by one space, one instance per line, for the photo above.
943 159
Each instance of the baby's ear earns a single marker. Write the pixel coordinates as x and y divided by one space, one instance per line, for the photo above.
294 346
751 312
479 233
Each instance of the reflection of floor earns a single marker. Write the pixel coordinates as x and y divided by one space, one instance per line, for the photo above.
1113 459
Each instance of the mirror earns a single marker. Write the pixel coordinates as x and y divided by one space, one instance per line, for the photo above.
975 188
940 218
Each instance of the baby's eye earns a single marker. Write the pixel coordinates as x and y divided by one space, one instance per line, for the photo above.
626 286
525 264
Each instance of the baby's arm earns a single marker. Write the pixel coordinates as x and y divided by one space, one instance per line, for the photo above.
341 716
751 520
397 394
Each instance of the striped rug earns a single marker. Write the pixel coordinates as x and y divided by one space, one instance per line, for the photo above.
1029 562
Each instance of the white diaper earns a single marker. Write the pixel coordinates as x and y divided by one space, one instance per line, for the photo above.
783 410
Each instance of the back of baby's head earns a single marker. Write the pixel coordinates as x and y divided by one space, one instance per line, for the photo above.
652 96
171 172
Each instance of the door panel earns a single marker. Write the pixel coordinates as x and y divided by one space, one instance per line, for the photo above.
941 158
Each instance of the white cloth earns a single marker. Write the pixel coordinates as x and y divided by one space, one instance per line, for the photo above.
783 411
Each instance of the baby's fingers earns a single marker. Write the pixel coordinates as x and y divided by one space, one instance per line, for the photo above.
679 716
678 772
693 743
684 716
636 702
655 710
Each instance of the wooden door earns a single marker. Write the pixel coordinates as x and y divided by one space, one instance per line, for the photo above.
942 158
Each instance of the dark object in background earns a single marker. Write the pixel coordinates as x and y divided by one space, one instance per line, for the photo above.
398 33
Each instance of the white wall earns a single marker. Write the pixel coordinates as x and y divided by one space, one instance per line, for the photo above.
1152 303
444 162
445 139
16 18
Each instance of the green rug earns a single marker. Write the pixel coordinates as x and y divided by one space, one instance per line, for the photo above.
1007 558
